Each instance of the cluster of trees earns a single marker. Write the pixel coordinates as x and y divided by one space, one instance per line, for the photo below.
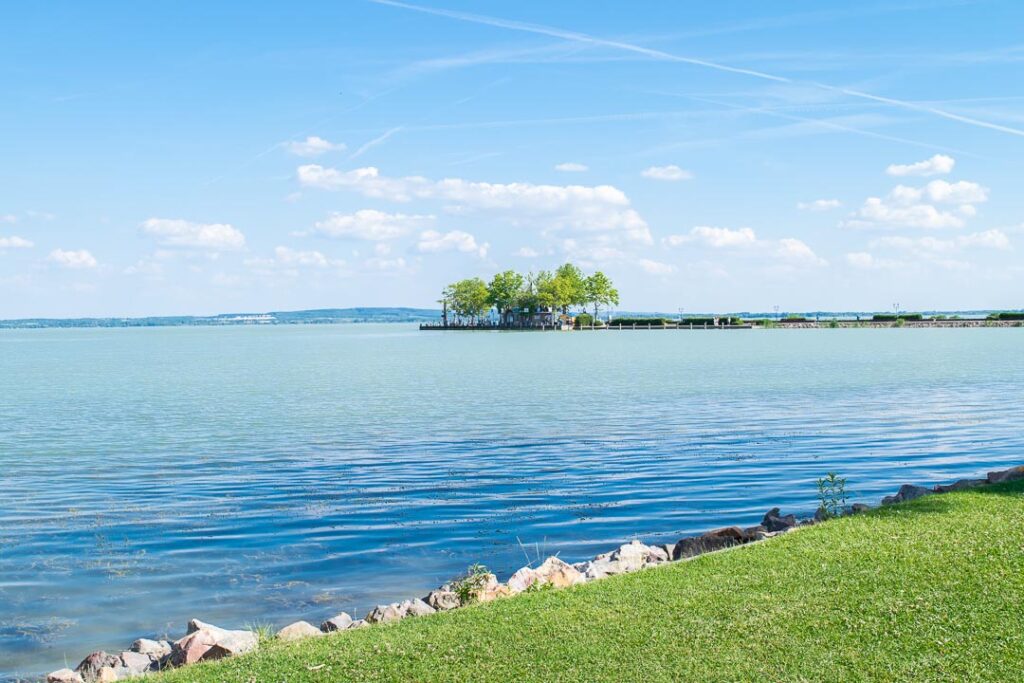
511 293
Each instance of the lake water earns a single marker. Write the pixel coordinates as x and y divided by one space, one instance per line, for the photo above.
262 475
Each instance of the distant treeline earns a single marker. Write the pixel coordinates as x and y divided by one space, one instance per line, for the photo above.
308 317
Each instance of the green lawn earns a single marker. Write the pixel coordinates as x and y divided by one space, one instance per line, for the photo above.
927 590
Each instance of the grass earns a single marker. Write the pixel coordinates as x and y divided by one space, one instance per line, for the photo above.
931 590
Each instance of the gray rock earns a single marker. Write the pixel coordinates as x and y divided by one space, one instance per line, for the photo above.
416 608
775 521
205 642
90 667
858 508
890 500
442 600
298 631
359 623
337 623
698 545
657 555
233 644
1012 474
820 515
157 648
138 664
64 676
960 485
755 533
385 614
910 492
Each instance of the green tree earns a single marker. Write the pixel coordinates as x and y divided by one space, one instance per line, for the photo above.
505 292
569 287
600 292
470 299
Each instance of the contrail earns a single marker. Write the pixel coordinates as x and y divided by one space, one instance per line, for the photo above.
563 34
376 141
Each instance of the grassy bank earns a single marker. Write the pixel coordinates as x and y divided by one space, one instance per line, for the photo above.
927 590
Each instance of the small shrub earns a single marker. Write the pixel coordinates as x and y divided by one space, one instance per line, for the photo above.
469 586
639 321
831 495
586 320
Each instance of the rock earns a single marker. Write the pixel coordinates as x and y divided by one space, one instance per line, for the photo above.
775 521
858 508
631 556
298 631
910 492
755 533
337 623
110 675
385 614
206 642
90 667
191 648
658 555
600 568
960 485
138 664
1012 474
820 515
668 548
233 644
64 676
552 571
442 600
416 608
493 593
890 500
733 532
157 648
698 545
359 623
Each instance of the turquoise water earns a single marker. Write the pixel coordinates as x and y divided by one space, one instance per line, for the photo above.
245 475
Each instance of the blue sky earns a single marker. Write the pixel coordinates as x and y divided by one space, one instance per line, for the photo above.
163 158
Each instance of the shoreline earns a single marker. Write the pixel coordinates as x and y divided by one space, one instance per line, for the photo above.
752 325
204 642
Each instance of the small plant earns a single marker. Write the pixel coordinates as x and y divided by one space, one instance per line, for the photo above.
833 324
264 631
831 495
469 586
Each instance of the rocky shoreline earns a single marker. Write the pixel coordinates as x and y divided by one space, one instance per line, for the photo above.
206 642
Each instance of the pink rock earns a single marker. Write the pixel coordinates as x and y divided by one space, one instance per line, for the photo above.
191 648
64 676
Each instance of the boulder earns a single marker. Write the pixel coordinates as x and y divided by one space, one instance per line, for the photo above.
733 532
658 554
1012 474
698 545
493 593
359 623
416 608
755 533
442 600
960 485
111 674
337 623
64 676
205 642
775 521
156 648
137 663
552 571
907 492
298 631
385 614
858 508
90 667
233 644
631 556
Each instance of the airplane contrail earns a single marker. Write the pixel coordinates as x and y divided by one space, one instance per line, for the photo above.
575 36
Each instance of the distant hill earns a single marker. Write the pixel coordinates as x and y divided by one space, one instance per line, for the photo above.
320 316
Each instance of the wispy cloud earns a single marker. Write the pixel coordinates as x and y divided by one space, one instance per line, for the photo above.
376 141
662 55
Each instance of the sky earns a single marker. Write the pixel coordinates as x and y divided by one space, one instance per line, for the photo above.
169 158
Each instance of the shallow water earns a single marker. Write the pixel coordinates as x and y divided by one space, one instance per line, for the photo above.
250 475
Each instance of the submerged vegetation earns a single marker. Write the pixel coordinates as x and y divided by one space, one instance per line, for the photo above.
519 299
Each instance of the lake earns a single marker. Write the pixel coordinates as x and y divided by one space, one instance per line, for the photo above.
260 475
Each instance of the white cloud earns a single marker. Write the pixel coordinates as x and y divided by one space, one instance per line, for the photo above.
369 224
797 252
291 261
940 164
312 146
670 172
432 241
656 267
571 208
989 239
80 258
906 206
181 233
382 249
571 167
15 242
717 238
527 252
819 205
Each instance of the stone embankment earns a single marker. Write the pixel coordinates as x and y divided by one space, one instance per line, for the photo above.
204 642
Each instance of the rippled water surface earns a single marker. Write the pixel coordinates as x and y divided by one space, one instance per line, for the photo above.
262 475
